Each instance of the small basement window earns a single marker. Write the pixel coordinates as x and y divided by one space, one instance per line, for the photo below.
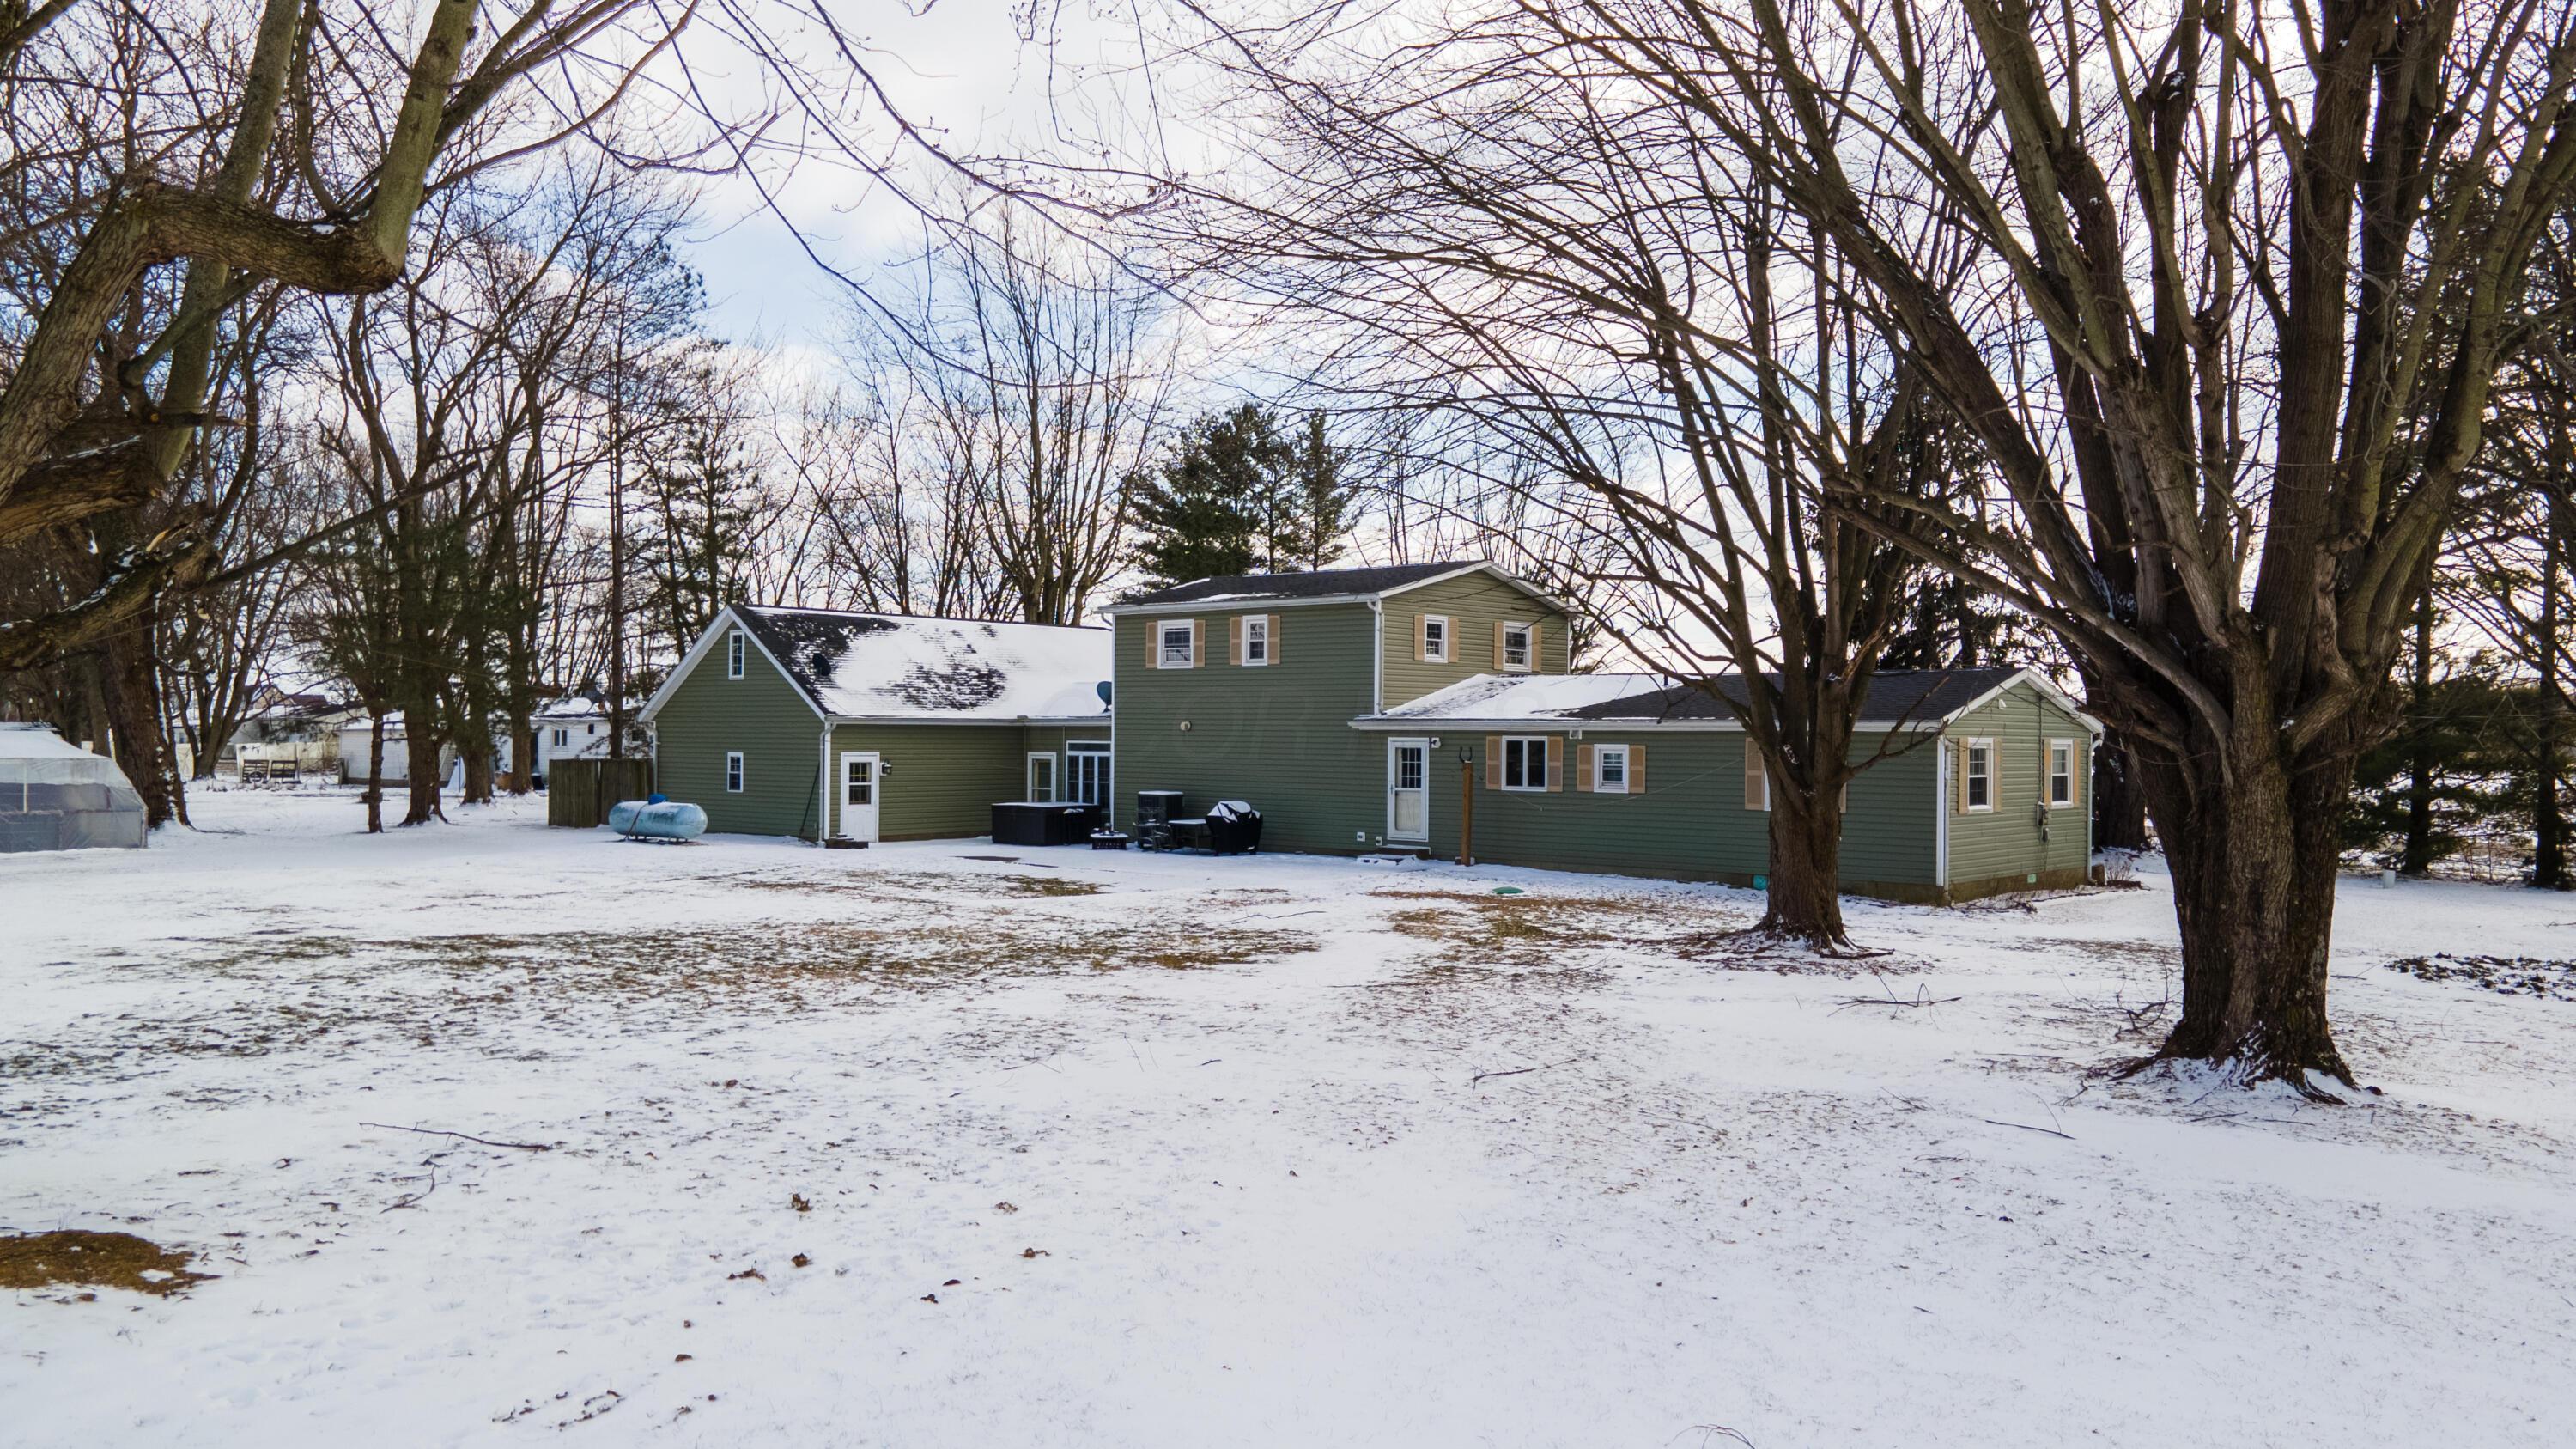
1525 763
733 655
1977 775
1178 638
733 772
1610 769
1519 648
1256 639
2061 774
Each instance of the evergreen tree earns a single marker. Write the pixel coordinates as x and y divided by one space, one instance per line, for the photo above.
1210 509
1321 498
701 509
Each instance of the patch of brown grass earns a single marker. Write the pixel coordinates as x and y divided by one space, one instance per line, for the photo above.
88 1259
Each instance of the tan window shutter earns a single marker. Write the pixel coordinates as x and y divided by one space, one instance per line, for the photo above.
1273 656
1153 643
1556 762
1757 794
1198 644
1493 762
1636 769
1234 631
1959 772
1583 768
1421 637
1498 645
2076 760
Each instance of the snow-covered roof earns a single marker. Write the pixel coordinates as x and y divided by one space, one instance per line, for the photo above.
38 742
1524 696
1896 698
900 666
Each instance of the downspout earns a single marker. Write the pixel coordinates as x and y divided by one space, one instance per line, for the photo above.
823 787
1941 815
1377 660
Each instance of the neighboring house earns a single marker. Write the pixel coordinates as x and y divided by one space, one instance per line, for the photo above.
572 728
297 730
397 771
815 722
1368 709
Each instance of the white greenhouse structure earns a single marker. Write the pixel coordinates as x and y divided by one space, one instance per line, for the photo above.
54 795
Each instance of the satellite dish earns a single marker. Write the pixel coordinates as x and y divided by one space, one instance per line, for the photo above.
1102 689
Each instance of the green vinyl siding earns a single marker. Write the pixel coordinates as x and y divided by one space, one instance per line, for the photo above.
762 716
1473 605
939 781
1689 821
1278 736
2003 847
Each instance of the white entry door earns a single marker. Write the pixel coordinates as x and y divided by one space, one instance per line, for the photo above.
1408 790
859 785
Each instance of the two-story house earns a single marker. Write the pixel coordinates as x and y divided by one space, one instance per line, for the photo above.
1428 708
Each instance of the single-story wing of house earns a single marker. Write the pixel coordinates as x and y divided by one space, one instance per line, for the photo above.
823 723
1423 707
1974 781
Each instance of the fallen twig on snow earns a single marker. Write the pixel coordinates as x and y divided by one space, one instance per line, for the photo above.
467 1136
1523 1071
2026 1127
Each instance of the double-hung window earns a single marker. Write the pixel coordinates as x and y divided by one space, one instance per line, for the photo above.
1610 769
1179 642
1525 763
1520 647
1435 639
733 655
733 772
1256 639
2061 774
1977 775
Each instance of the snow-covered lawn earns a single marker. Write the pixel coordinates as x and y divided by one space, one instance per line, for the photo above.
912 1147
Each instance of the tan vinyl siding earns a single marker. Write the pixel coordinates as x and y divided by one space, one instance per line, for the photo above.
1474 605
2002 848
1278 737
761 715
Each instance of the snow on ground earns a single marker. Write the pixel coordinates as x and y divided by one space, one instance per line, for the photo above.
1109 1149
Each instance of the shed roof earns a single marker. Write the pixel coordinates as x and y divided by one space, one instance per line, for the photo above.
902 666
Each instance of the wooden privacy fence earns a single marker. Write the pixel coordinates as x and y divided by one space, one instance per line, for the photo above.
579 792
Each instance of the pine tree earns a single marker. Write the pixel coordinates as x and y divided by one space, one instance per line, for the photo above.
701 513
1210 509
1322 499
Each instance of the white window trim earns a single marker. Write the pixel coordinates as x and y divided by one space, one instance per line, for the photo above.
1163 633
1529 648
1968 774
1527 744
2053 747
735 775
1251 623
735 649
1601 757
1055 778
1436 653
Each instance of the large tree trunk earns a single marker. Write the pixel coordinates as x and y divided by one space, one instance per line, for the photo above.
2418 858
2549 823
2254 853
134 706
2119 799
375 767
1804 902
476 751
420 749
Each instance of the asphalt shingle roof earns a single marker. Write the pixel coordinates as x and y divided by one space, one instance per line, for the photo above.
1322 583
1896 696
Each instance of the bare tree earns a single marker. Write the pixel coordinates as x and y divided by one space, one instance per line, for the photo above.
1649 356
1046 372
2239 284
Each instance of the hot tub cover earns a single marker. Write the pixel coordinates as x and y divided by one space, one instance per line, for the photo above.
54 795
